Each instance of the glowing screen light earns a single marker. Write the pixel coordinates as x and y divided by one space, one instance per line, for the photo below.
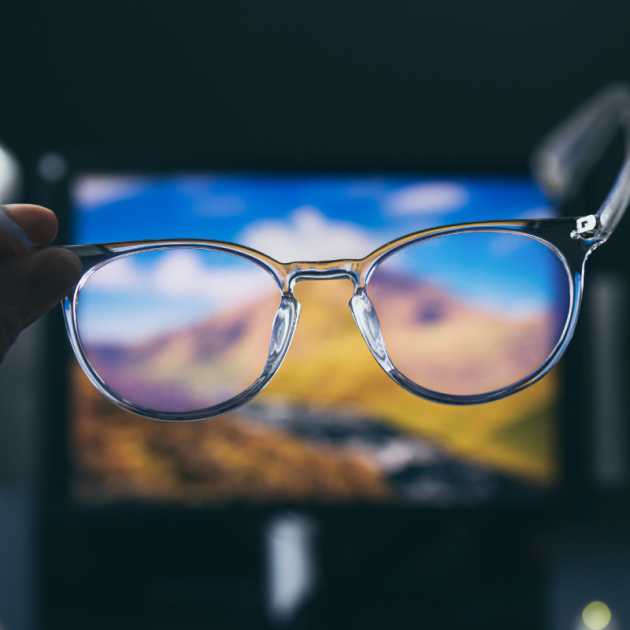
182 328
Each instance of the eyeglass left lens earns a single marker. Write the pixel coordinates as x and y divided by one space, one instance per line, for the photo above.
471 313
177 330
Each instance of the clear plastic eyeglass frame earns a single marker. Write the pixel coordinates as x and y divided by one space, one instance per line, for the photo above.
559 165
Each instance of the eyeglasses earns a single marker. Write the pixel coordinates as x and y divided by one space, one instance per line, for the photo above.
460 314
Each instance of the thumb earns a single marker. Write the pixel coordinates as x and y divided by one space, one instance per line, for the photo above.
57 271
32 285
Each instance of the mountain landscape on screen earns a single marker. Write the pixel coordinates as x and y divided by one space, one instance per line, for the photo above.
193 367
329 405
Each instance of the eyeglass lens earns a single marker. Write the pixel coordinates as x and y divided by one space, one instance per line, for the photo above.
178 330
471 313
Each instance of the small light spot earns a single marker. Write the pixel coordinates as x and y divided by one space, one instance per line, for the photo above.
596 615
52 167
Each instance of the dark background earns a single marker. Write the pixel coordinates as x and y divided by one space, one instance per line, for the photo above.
354 82
328 84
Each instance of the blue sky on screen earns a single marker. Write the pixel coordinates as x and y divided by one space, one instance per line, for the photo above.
507 274
233 206
292 217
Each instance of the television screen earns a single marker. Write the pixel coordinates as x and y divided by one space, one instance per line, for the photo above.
331 427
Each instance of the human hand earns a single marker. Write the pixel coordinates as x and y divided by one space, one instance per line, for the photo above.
32 280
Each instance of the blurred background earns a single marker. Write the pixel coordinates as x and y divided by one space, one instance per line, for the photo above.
334 86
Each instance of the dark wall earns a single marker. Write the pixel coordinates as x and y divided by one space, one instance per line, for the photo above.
349 81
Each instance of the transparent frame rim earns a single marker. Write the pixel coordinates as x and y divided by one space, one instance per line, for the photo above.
553 233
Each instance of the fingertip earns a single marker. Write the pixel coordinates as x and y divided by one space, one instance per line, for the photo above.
40 224
57 271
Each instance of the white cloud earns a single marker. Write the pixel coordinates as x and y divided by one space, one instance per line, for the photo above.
308 234
185 273
121 275
182 273
428 198
92 192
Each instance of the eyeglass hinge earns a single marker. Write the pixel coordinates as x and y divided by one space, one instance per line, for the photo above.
585 227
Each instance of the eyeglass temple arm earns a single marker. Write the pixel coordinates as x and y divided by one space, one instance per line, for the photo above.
565 156
90 255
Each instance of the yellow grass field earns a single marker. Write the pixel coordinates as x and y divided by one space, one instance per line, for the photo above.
329 365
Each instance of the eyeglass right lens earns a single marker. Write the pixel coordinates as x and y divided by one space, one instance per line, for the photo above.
471 313
178 330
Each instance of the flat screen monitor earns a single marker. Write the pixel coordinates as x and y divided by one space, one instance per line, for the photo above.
331 427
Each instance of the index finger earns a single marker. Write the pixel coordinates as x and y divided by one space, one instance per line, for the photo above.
25 227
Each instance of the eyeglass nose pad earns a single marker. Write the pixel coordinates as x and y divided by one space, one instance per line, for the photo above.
367 320
282 330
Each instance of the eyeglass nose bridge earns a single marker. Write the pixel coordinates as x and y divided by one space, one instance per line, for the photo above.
327 270
361 306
